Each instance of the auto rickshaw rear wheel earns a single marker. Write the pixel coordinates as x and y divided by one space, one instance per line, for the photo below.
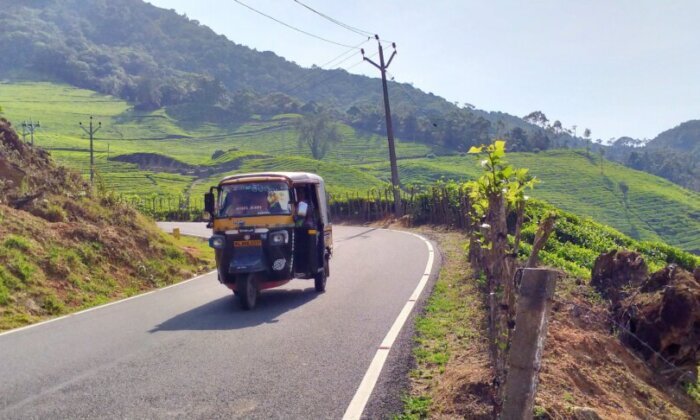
247 288
321 277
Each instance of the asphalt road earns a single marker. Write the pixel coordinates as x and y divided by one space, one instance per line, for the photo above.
189 351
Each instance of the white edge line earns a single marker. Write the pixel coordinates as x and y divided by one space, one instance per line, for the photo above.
369 381
48 321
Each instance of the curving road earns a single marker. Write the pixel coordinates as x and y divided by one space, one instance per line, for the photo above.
189 351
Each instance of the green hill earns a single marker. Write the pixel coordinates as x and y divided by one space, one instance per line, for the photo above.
636 203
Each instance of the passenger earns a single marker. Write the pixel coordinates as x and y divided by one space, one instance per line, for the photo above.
305 205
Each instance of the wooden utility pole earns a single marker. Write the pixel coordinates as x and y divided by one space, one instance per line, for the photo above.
382 66
28 128
91 132
525 357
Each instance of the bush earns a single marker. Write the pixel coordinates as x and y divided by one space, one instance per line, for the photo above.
52 305
17 242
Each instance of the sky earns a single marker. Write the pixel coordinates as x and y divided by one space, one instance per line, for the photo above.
618 67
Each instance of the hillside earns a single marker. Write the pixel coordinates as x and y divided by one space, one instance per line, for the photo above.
651 208
154 58
64 247
684 138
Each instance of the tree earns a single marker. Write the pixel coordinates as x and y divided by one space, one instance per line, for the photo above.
318 132
557 127
587 136
537 118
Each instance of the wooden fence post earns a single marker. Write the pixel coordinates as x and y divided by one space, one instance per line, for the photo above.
525 357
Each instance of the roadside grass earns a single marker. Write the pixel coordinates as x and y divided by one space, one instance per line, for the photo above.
44 274
448 333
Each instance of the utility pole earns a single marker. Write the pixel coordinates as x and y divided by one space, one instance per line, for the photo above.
382 66
24 131
31 126
91 132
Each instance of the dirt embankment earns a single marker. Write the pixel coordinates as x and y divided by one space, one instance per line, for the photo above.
628 355
589 369
64 247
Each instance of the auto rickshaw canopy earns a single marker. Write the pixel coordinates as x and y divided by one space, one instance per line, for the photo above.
294 179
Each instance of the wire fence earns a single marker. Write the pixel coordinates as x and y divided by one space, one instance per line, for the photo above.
439 205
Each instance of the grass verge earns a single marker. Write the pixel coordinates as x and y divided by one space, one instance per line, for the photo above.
452 373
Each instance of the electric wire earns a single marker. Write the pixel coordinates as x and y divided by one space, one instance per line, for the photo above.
337 67
292 27
336 21
347 52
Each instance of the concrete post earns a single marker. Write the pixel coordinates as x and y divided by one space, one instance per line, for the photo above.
532 314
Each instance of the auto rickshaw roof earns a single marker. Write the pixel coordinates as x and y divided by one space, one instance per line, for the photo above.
293 177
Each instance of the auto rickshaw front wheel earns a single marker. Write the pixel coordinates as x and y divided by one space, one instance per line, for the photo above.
247 288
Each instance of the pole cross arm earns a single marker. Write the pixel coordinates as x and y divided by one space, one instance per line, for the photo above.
372 63
390 58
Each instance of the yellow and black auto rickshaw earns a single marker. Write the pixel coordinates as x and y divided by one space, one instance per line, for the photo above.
269 228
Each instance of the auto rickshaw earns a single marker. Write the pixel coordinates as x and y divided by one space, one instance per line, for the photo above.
269 228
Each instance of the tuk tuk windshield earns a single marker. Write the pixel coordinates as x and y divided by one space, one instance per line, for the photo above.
254 198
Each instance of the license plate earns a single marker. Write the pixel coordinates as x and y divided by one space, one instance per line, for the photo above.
252 242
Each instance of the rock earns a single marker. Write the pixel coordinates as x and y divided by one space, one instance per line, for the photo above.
584 413
616 271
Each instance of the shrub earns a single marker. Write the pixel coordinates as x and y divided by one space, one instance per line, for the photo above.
52 305
17 242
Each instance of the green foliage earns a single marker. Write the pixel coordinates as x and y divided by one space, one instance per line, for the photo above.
499 178
415 408
577 242
17 242
52 305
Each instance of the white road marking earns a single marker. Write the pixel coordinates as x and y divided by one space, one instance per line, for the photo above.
364 391
48 321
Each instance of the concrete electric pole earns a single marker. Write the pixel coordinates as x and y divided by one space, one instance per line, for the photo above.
91 132
382 66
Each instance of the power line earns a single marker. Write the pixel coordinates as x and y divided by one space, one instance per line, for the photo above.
336 21
292 27
307 79
410 97
347 52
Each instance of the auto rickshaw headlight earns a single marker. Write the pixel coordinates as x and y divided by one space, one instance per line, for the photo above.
278 238
217 241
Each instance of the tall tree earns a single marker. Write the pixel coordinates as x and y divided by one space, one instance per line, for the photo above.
319 133
537 118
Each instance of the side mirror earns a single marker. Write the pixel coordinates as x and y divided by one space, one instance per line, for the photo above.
302 209
209 203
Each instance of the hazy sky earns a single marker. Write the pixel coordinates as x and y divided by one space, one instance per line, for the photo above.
617 67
